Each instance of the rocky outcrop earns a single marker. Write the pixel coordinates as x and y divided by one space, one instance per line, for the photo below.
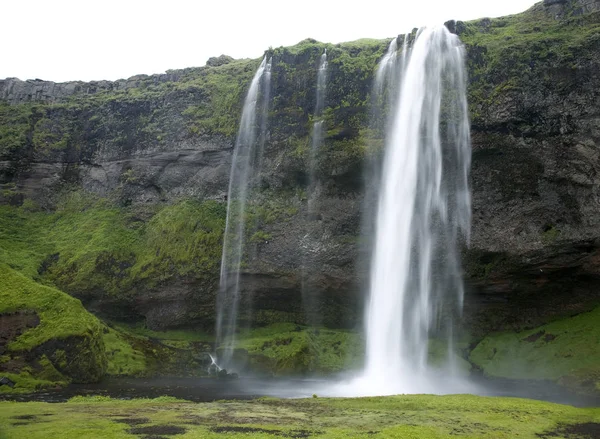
559 8
16 91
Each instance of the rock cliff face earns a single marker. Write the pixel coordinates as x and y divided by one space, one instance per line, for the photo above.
155 140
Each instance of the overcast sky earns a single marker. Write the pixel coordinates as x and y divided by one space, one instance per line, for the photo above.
63 40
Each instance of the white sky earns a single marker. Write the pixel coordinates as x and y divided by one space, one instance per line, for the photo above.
63 40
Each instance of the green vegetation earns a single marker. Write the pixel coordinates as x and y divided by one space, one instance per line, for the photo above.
90 243
564 351
123 358
510 54
289 349
14 126
76 350
60 315
225 88
417 416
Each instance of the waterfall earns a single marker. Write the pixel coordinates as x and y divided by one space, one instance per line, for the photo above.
309 293
423 209
246 162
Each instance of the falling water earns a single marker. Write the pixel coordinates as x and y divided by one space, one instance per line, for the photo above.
317 134
423 208
386 69
309 292
247 158
384 95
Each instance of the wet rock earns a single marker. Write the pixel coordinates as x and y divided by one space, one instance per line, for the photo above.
4 381
224 375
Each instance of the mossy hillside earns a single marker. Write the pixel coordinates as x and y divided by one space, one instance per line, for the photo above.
564 350
67 342
90 244
506 55
531 51
139 352
415 416
287 349
123 358
130 115
15 125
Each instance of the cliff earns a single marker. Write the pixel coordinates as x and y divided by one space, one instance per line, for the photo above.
124 183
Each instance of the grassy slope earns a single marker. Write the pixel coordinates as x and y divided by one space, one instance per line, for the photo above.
99 246
566 350
390 417
61 317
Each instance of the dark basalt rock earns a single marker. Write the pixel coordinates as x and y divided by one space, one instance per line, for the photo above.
14 324
535 177
4 381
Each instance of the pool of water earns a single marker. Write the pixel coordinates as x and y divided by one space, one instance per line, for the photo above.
210 389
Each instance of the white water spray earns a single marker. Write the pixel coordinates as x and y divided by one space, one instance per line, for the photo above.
423 208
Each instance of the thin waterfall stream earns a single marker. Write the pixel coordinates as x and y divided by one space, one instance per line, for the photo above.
310 297
246 163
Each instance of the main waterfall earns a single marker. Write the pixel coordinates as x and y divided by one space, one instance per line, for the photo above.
423 210
246 163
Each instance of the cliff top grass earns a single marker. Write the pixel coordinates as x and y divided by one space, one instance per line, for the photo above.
60 315
416 416
561 349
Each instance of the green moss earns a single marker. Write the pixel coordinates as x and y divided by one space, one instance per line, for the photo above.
49 372
513 53
89 244
559 350
289 349
51 134
64 323
61 315
15 126
172 335
260 236
414 416
122 358
26 382
550 234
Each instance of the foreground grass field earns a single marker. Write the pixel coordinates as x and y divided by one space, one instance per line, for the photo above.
416 416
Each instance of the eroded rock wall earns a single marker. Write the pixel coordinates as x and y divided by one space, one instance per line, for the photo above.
535 104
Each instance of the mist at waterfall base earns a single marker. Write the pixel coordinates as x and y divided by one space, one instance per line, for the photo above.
423 213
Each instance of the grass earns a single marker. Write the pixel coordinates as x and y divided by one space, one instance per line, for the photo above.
89 244
517 52
75 350
289 349
61 315
562 350
123 358
416 416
